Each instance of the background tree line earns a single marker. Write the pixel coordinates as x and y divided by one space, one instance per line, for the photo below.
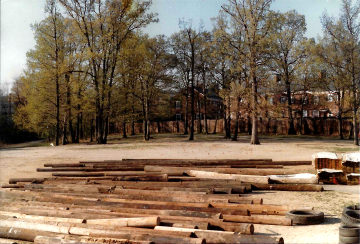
93 66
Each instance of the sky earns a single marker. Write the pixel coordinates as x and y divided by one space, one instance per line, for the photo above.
17 15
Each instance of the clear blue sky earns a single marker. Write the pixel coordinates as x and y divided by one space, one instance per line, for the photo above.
17 15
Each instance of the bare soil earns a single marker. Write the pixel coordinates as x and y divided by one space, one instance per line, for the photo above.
16 162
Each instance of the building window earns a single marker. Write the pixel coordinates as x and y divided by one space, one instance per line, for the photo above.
282 99
201 116
178 117
178 104
316 100
330 98
305 113
271 101
315 113
305 100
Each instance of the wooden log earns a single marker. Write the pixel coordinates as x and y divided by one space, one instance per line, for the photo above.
256 208
64 165
269 166
80 174
33 180
243 178
155 239
131 222
287 187
198 184
183 223
258 220
22 234
228 237
150 177
86 229
90 169
183 170
290 179
197 160
80 240
246 229
42 218
12 186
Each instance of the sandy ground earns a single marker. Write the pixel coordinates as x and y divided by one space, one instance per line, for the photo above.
22 161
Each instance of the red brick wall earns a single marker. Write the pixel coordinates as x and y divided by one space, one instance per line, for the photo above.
310 126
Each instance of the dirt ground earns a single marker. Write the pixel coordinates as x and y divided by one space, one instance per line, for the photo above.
22 161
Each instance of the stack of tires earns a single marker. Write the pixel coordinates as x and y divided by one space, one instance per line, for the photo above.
350 225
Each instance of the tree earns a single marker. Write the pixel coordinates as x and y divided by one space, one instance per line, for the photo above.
286 52
221 65
46 65
104 26
344 33
254 19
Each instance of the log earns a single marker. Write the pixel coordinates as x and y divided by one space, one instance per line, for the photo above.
64 165
258 220
243 178
42 218
12 186
78 174
246 229
183 223
155 239
292 179
90 169
86 229
22 234
80 240
150 177
183 170
131 222
33 180
287 187
198 184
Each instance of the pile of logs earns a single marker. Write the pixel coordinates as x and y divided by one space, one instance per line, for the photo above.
332 170
147 201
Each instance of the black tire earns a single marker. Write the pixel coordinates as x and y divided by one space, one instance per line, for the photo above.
349 239
305 217
351 218
352 207
349 231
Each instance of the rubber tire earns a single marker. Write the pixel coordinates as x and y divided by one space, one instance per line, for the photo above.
349 231
305 217
352 207
351 218
349 239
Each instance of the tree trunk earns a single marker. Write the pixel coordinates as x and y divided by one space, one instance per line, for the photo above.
254 133
237 121
145 127
291 130
216 120
132 116
192 90
226 125
64 139
186 114
355 128
57 131
68 104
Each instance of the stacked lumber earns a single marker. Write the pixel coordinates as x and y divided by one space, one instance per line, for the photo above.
332 170
146 201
